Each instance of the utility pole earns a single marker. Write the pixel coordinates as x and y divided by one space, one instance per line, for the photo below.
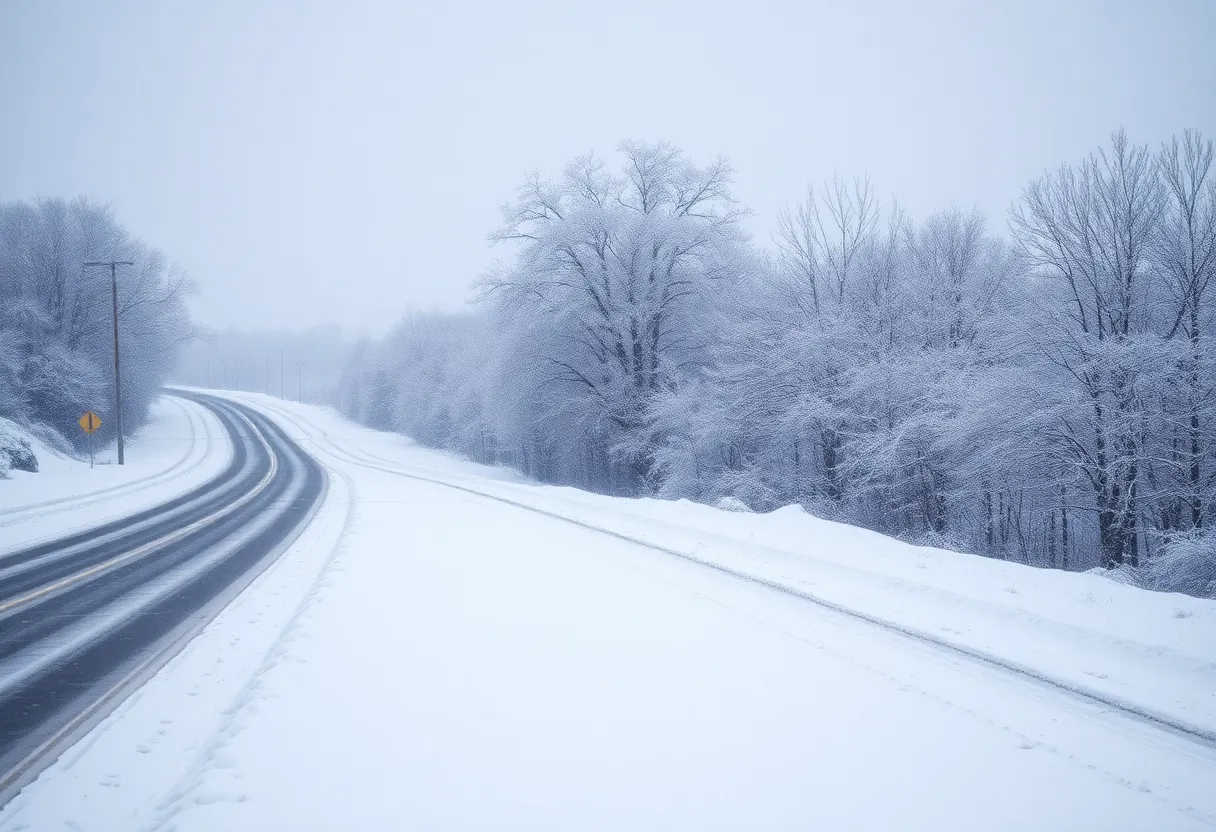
114 264
300 381
281 396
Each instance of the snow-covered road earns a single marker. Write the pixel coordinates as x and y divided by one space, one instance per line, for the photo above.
427 658
87 618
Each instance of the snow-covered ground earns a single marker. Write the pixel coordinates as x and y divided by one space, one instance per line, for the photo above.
182 446
426 657
1152 651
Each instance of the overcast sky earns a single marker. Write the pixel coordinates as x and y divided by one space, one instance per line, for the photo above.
336 162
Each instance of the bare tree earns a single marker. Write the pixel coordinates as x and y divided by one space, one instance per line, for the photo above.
1186 254
1091 229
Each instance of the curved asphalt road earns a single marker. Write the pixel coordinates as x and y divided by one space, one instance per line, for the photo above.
85 619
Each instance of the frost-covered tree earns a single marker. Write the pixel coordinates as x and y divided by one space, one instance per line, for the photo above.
612 279
55 317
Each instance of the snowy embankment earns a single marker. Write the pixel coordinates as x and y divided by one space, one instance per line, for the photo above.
16 449
1150 652
182 446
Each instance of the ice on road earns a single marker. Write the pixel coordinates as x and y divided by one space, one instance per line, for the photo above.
428 659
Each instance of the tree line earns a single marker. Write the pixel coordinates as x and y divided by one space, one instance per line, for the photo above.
56 336
1046 395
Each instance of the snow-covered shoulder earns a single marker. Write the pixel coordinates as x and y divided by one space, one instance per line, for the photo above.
182 446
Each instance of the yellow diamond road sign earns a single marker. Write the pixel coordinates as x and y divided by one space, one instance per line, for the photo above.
90 421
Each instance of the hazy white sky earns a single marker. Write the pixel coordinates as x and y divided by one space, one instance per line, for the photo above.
336 162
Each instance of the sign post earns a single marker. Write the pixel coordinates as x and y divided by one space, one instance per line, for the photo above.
89 423
114 264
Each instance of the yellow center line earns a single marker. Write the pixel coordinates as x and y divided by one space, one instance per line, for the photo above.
146 548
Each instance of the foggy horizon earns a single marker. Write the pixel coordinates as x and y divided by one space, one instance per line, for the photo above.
299 161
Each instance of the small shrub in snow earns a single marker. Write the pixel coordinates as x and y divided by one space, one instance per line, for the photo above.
1123 574
731 504
745 486
1187 565
934 540
15 450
